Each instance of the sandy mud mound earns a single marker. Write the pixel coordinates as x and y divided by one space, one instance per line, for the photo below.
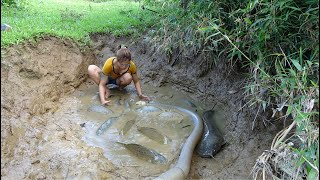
33 79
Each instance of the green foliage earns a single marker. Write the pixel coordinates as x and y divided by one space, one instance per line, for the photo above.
71 15
275 41
188 33
14 3
98 1
72 19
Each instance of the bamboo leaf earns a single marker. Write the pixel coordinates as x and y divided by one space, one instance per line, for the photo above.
289 110
312 174
300 55
212 35
292 72
247 20
313 83
301 161
296 64
215 26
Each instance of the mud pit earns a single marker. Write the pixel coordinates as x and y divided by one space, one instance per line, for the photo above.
42 90
126 128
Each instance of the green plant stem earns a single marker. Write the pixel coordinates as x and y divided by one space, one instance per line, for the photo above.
314 167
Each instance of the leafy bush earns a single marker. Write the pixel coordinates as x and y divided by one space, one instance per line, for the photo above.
277 44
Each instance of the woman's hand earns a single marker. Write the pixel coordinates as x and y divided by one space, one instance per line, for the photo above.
106 102
144 98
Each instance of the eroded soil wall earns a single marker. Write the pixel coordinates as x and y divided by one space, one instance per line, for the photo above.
34 77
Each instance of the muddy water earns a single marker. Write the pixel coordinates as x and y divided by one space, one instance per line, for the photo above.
132 135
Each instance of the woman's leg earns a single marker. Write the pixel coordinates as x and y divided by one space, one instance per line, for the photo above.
124 80
94 73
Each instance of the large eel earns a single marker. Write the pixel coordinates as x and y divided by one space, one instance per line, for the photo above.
181 169
212 138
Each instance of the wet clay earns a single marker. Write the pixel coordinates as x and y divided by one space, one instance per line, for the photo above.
44 87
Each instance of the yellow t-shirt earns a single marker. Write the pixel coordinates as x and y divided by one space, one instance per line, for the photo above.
108 68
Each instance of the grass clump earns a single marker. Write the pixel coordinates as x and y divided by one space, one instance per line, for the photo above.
72 19
276 43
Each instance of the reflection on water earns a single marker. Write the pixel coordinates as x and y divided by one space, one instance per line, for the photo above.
132 134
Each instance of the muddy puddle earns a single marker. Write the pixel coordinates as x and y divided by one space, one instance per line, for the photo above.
53 127
131 134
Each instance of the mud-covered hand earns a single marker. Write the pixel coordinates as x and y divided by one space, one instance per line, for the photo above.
144 98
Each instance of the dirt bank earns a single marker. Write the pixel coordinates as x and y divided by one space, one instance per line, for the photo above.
37 119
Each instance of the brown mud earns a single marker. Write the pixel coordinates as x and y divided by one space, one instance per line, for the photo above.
41 136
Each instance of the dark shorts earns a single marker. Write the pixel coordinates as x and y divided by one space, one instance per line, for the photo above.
111 81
